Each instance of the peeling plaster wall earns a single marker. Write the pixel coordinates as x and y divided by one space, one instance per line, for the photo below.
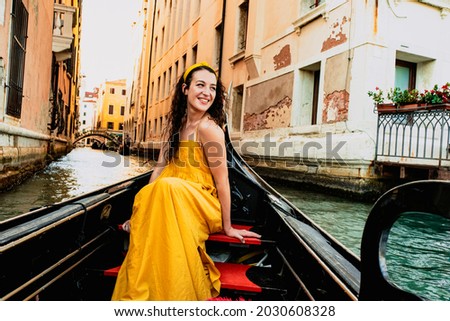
335 107
336 89
337 34
282 59
269 104
273 117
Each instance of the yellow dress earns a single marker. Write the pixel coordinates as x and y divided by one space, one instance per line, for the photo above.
172 218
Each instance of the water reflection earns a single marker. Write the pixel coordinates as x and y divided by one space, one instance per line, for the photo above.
340 217
81 171
424 254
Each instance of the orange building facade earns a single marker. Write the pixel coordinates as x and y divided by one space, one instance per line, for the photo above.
110 109
39 44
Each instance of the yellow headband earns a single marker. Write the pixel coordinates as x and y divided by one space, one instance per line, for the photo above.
200 64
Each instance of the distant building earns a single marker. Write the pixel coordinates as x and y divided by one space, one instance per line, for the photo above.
88 106
87 110
110 110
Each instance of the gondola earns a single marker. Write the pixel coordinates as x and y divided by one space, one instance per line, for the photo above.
72 250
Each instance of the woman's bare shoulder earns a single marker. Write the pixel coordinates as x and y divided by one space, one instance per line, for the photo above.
208 128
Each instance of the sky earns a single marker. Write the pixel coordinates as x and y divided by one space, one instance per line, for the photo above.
107 40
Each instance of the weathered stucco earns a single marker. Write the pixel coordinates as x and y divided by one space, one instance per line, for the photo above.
335 107
336 88
269 104
282 59
273 117
337 35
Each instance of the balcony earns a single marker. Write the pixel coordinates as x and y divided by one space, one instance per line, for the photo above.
414 139
62 30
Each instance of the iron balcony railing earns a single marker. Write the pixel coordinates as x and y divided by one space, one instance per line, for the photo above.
416 137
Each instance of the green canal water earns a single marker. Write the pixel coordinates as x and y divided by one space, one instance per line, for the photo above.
84 170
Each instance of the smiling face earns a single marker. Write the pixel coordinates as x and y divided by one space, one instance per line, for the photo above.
201 91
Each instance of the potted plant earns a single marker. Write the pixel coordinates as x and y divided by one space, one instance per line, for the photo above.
404 99
380 102
436 96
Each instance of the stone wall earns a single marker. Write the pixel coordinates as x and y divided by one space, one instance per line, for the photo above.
24 152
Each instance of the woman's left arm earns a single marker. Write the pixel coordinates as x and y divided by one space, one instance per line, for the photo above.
213 141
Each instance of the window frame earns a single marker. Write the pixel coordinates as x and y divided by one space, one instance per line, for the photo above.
16 72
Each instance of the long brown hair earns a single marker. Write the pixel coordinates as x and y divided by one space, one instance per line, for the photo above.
178 109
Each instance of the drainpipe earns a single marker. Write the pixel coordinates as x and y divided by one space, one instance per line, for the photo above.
149 69
222 36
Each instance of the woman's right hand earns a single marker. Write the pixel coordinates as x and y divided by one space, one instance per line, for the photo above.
126 226
240 234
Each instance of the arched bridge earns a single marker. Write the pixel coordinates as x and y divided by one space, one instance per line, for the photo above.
101 133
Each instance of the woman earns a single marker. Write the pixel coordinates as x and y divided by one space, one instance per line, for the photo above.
187 199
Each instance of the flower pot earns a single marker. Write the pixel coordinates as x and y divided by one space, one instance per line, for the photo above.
386 108
408 107
445 106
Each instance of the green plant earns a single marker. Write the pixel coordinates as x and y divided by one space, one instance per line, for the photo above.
437 95
403 97
377 95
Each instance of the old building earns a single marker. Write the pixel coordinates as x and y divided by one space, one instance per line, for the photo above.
39 75
298 74
88 107
110 107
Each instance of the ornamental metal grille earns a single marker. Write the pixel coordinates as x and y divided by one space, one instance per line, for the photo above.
19 21
422 134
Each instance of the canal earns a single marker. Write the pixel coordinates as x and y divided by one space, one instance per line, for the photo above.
81 171
84 170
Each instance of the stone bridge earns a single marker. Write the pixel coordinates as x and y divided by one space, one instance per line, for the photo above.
98 133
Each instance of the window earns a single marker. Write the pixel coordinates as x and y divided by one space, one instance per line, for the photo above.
112 91
124 92
84 114
242 31
111 109
19 28
158 86
194 54
238 97
172 21
179 18
176 71
120 126
315 3
122 110
186 17
110 125
163 86
308 5
218 45
152 92
184 62
405 74
169 80
197 8
163 40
